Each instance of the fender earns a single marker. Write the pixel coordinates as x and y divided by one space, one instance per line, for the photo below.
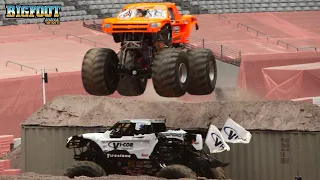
79 141
192 21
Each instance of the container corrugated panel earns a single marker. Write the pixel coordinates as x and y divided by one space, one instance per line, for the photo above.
44 148
274 156
271 155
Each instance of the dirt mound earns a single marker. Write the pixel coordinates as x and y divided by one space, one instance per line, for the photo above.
15 158
79 110
33 176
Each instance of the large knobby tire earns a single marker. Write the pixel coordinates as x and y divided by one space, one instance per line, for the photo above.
176 171
202 71
99 76
215 173
130 85
170 72
85 168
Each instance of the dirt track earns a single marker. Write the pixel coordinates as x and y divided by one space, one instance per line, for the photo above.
77 110
33 176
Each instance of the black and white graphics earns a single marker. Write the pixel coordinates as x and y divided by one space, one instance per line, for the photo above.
121 145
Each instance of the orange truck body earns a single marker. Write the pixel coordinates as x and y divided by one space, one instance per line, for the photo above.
181 24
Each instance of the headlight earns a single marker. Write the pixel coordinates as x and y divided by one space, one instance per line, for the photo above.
155 25
69 139
106 25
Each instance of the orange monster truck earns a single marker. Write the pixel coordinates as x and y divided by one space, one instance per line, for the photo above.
152 37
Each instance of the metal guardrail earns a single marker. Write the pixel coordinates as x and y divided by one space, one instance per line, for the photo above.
295 47
220 15
39 27
222 52
315 48
82 38
279 41
93 26
21 65
288 45
257 31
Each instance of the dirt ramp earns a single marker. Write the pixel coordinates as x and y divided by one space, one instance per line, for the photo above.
78 110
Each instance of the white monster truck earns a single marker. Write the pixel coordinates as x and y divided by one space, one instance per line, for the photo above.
143 147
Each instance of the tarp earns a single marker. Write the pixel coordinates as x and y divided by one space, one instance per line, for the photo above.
251 77
23 95
291 82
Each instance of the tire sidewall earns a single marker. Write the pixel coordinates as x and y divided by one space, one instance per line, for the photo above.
110 68
211 58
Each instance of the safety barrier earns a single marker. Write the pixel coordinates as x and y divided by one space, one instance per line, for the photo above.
82 38
258 33
295 47
222 52
225 17
288 45
21 65
40 26
93 26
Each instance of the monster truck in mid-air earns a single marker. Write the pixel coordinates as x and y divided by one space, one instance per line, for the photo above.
143 147
153 38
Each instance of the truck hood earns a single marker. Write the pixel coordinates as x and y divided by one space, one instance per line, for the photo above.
138 20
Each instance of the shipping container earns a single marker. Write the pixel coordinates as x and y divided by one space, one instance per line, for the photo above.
44 148
271 155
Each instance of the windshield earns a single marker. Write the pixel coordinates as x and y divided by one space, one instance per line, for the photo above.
124 129
143 12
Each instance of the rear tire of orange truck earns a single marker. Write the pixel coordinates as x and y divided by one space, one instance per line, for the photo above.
202 71
130 85
99 71
170 72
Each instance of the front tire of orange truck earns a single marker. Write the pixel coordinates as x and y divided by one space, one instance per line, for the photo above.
170 72
99 71
202 71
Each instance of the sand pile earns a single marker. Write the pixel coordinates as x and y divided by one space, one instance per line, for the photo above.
15 158
33 176
78 110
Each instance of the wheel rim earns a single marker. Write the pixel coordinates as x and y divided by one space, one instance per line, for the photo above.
183 73
211 72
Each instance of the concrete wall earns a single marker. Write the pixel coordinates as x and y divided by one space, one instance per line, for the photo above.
270 154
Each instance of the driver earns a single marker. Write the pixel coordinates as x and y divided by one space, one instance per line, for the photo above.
139 13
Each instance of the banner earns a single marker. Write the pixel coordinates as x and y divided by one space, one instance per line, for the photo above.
234 133
215 141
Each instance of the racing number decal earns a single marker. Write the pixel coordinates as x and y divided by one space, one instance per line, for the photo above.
116 145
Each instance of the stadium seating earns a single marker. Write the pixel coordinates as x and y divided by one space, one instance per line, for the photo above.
241 6
94 9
